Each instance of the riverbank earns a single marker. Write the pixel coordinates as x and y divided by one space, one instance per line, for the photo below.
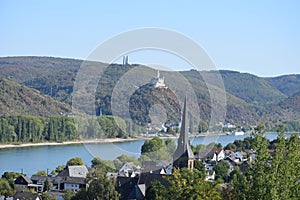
89 141
104 140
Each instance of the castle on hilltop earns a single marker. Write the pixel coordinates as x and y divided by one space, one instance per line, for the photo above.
158 82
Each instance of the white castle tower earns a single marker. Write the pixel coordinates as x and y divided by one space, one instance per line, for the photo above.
158 82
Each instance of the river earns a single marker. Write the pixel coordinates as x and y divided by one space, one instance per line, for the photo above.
31 159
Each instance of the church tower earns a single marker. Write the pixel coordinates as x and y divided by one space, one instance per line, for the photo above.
184 156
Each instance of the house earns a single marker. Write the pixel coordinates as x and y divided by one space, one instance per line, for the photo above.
22 182
220 154
74 183
237 157
209 165
27 196
229 126
70 178
210 175
135 187
79 171
130 170
156 168
39 181
211 155
126 186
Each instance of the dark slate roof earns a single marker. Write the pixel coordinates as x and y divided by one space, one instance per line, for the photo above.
152 167
135 193
206 154
148 166
23 180
63 173
26 196
54 180
125 185
131 188
147 178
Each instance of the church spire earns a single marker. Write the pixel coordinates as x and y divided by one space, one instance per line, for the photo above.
183 156
183 137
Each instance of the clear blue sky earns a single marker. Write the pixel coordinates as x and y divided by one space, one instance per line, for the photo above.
248 36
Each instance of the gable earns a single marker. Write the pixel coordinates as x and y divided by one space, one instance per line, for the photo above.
23 180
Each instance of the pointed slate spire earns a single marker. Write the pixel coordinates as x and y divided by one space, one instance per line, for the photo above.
183 137
183 153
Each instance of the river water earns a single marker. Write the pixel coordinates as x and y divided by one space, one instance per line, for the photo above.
31 159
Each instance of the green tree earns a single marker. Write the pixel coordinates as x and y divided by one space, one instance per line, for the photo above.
155 149
80 195
202 127
107 166
171 146
199 148
46 196
221 170
5 188
68 195
58 169
293 167
277 175
190 184
152 145
156 191
269 177
260 188
241 185
230 146
41 173
198 165
75 161
10 177
100 187
122 159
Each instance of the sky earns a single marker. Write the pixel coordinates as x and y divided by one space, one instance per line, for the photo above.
258 37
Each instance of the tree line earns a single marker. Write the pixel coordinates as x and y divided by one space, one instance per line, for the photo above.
27 129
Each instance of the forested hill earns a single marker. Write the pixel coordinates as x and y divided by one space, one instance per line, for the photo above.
287 84
16 100
250 99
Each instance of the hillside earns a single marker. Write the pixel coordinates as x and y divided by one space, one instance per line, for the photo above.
27 68
252 89
250 99
292 103
287 84
51 76
16 100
